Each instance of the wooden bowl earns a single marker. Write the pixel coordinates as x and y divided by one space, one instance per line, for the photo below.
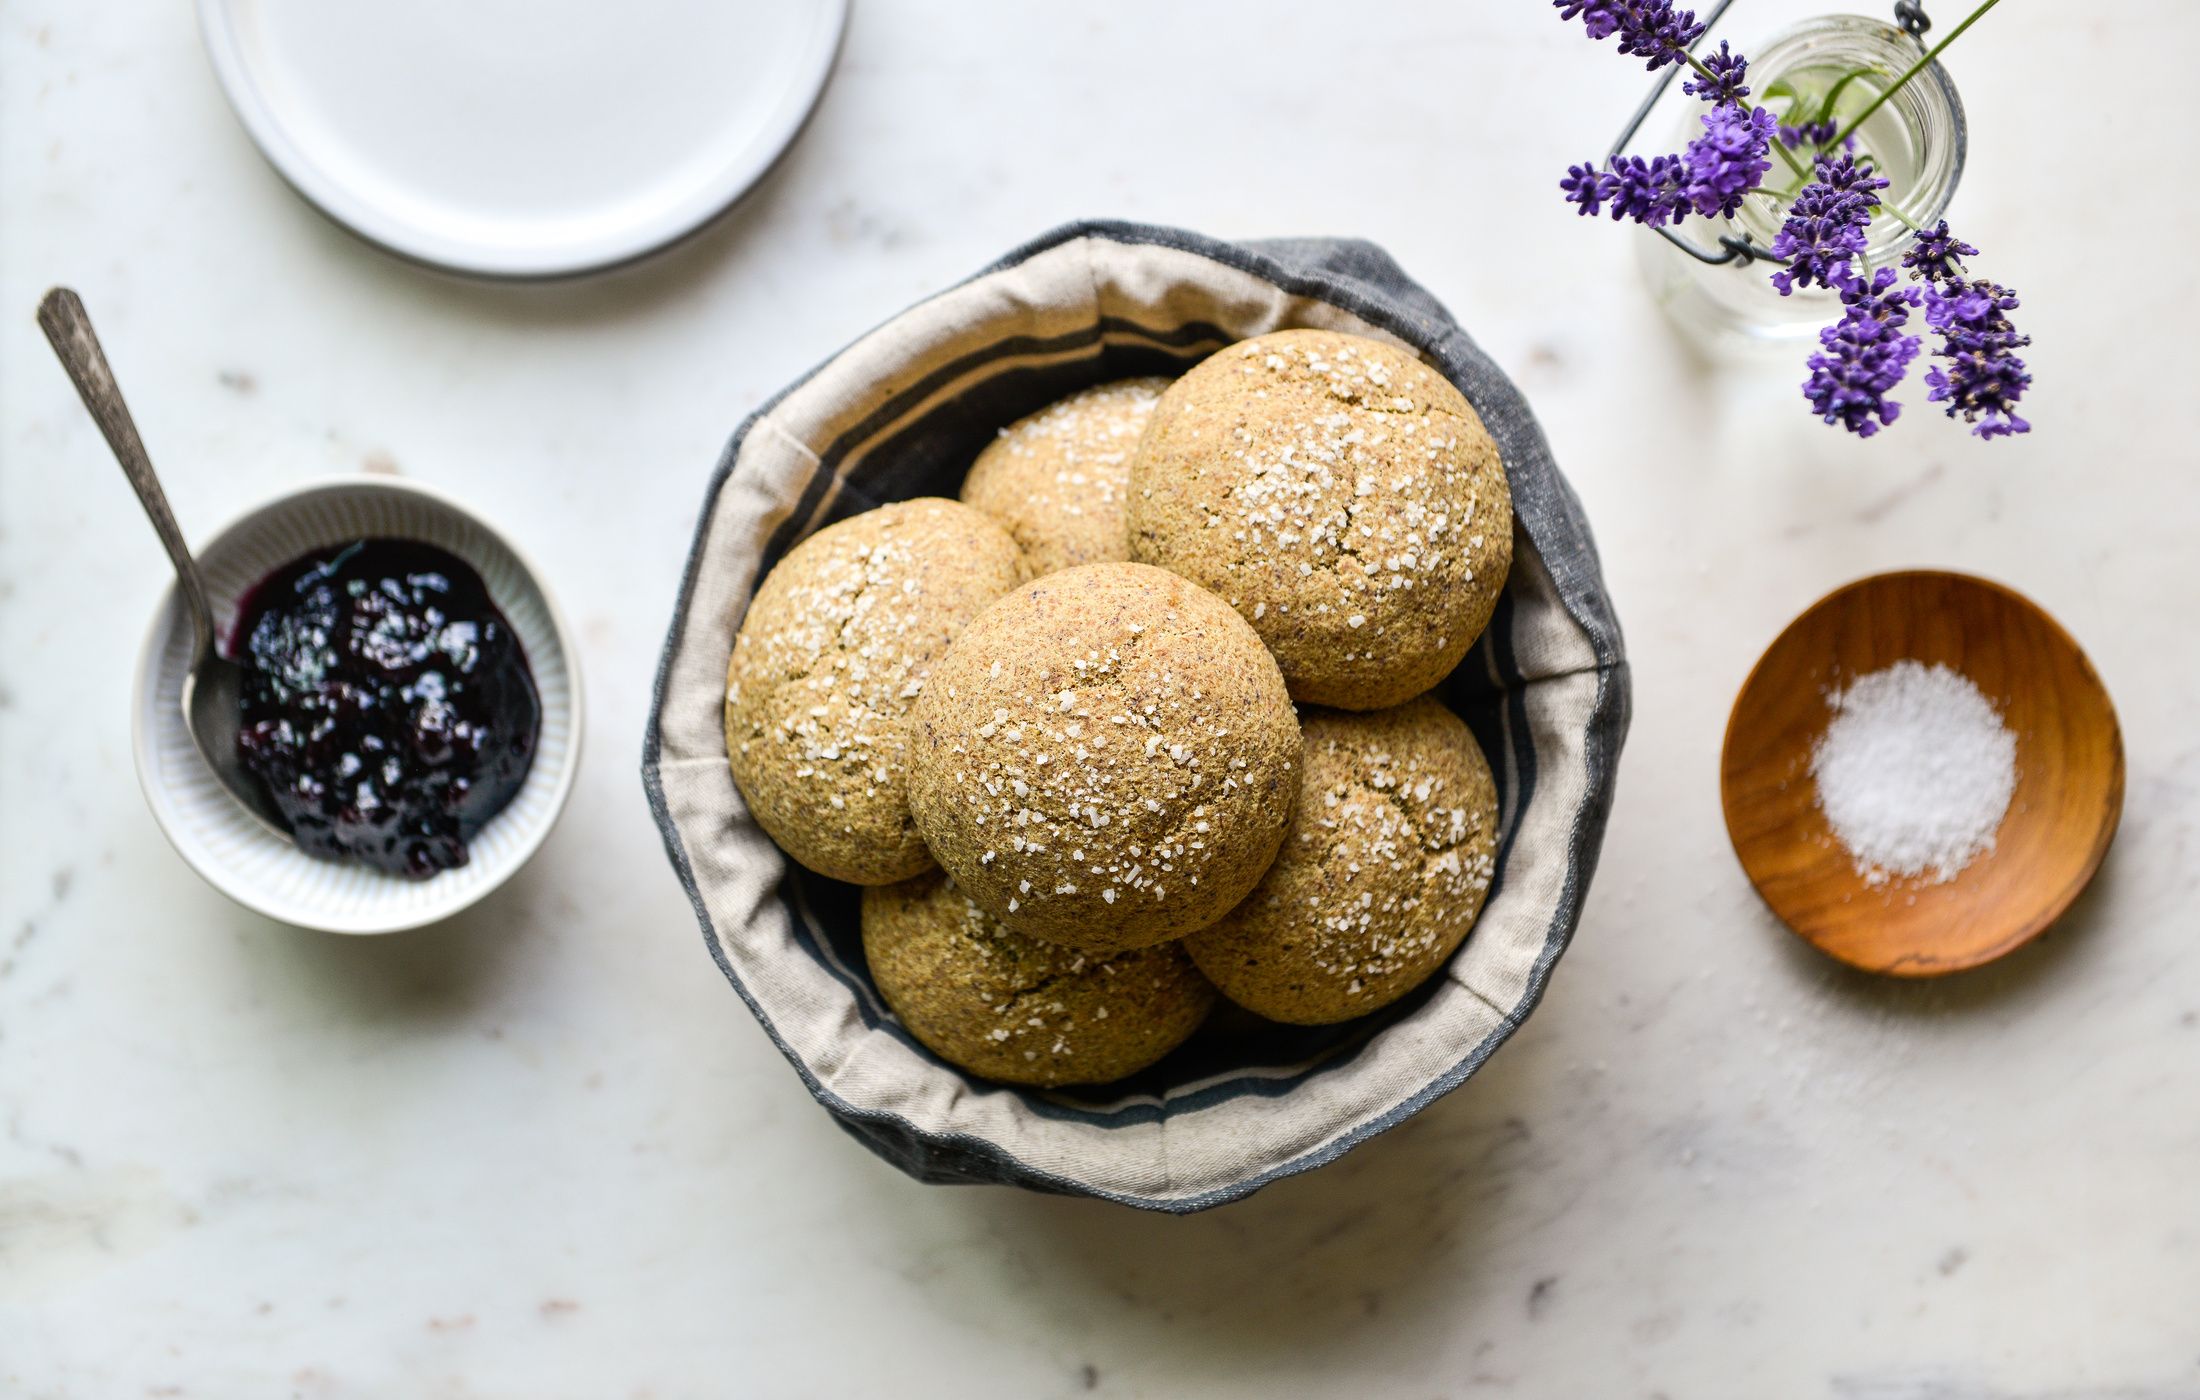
2070 774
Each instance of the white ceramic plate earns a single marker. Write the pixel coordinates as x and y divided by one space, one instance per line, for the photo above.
522 138
266 872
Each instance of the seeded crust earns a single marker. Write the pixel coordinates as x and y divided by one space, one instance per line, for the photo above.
1106 759
833 653
1341 495
1385 870
1017 1009
1058 478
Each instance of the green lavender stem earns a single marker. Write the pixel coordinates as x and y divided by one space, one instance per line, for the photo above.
1784 198
1886 94
1916 68
1796 167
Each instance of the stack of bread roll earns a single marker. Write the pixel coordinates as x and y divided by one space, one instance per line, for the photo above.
1144 716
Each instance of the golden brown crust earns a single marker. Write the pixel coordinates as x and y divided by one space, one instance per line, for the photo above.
1058 478
831 656
1105 759
1017 1009
1384 872
1339 494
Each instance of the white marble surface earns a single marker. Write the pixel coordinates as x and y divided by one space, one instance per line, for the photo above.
544 1152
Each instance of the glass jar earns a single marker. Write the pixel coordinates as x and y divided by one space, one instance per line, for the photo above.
1917 139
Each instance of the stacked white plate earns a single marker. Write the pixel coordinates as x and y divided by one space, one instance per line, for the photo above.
523 138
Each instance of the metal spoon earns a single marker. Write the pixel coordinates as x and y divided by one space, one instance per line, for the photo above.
214 686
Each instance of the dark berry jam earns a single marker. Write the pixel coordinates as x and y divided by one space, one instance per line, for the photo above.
390 710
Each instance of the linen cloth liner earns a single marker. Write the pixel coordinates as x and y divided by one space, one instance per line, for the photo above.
901 412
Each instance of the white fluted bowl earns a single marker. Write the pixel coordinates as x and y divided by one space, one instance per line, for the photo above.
266 872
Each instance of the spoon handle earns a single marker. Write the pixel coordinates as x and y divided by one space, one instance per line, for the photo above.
62 316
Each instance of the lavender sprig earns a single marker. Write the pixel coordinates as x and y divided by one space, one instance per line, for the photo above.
1826 226
1720 82
1817 135
1651 192
1711 178
1865 356
1984 378
1648 29
1728 160
1586 188
1936 258
1599 17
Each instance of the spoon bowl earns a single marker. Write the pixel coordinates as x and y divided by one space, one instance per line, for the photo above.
213 709
2070 774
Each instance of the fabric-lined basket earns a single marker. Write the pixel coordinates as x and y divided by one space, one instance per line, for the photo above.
901 413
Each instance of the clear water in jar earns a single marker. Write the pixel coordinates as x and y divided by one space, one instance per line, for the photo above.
1885 139
1734 311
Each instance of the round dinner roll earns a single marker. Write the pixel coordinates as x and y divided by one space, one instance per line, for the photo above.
1057 479
1339 494
831 656
1017 1009
1386 867
1105 759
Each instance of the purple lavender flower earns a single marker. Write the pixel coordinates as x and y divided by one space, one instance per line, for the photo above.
1984 378
1728 160
1654 30
1724 86
1809 133
1825 227
1865 356
1716 172
1720 167
1647 29
1652 192
1599 17
1816 135
1937 256
1588 187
